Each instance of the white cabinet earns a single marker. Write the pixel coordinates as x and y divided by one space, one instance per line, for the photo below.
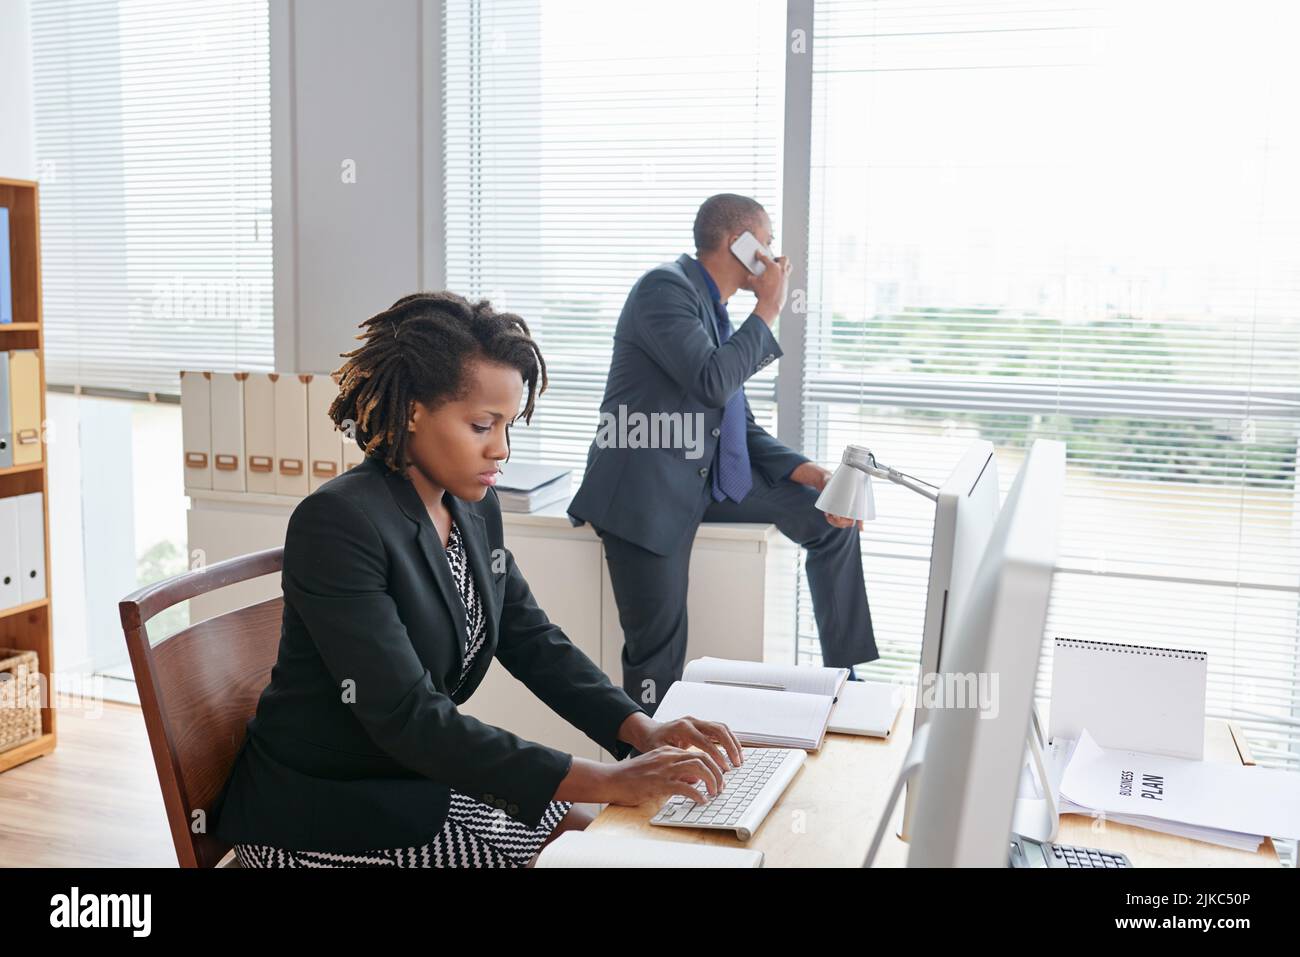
741 602
225 525
563 568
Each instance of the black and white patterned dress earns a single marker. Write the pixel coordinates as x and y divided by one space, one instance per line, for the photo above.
475 834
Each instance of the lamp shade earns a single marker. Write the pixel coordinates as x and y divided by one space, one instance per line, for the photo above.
849 494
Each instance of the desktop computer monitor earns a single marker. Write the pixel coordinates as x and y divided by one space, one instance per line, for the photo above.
964 513
965 793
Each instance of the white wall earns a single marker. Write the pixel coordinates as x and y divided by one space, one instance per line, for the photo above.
17 149
351 82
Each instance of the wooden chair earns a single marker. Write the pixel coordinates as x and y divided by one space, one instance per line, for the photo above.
198 688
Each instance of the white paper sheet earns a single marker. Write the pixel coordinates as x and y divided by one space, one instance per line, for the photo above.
1249 800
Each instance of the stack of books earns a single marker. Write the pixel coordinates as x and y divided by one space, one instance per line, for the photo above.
525 487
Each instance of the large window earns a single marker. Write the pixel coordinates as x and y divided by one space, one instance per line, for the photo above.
581 137
1024 220
153 152
1042 220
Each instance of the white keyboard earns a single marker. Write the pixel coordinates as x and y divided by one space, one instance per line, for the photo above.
748 793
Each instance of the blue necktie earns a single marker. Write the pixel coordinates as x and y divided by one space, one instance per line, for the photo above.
731 478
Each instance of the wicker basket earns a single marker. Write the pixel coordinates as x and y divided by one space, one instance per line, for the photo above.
20 718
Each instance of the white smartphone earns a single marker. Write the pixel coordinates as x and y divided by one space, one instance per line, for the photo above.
746 248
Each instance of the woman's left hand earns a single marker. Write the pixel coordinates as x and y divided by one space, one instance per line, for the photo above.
695 733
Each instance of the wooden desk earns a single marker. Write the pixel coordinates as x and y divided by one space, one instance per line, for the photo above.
828 814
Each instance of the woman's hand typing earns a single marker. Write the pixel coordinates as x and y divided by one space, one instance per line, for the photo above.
653 776
665 768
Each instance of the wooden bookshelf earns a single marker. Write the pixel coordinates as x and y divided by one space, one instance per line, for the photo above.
28 626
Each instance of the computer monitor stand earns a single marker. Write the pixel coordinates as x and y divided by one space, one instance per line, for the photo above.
1038 818
912 762
1035 818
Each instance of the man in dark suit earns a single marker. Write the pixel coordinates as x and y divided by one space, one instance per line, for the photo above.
678 445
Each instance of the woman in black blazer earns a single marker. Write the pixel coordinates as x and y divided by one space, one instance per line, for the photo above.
398 591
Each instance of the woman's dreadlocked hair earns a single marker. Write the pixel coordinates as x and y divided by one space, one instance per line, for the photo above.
418 350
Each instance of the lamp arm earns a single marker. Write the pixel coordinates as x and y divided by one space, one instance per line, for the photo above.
864 460
898 478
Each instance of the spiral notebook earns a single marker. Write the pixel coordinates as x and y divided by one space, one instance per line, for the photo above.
1129 697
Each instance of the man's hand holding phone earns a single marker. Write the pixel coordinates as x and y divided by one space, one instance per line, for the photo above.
771 288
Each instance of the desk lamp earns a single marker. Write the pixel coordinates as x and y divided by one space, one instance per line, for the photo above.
849 494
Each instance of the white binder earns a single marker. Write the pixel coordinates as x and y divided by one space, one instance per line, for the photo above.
259 432
31 545
1129 697
196 428
324 445
11 590
227 390
291 435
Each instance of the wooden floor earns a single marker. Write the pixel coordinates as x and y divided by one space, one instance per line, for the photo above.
93 802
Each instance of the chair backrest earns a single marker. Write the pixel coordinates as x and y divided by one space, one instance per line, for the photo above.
198 689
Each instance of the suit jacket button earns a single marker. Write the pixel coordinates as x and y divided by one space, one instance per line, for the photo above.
501 804
488 798
703 472
513 809
716 432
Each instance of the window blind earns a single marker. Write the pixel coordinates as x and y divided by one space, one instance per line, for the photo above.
153 152
580 139
1044 220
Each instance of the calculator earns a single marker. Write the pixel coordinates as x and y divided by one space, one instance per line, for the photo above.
1028 853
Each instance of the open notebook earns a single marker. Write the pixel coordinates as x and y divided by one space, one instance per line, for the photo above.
765 705
585 849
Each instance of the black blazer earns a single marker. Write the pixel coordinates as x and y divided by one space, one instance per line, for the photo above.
667 358
357 740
